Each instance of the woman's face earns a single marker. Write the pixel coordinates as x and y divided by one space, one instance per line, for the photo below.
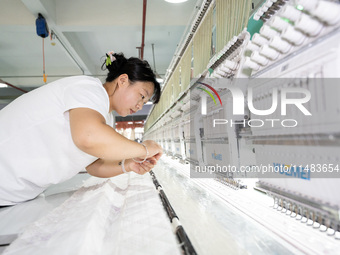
130 97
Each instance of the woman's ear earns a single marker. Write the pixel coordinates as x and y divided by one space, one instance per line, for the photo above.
123 80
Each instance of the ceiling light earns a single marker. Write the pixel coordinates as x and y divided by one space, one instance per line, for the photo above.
3 85
159 78
176 1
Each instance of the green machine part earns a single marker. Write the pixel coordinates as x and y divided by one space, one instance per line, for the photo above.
254 26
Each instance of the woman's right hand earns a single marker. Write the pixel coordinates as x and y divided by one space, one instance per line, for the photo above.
154 149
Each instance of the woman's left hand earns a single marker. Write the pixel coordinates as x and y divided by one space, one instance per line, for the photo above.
141 168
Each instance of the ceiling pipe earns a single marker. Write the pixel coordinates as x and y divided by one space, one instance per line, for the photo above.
8 84
143 29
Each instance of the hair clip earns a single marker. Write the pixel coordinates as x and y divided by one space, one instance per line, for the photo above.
110 58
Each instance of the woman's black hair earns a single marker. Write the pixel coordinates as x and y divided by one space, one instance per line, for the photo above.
136 69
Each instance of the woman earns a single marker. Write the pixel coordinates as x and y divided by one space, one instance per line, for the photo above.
51 133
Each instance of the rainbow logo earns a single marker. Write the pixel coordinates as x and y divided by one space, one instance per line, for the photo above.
209 93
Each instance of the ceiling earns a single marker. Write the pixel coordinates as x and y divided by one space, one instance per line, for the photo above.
86 30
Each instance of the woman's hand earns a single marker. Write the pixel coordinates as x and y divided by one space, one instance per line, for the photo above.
140 168
154 149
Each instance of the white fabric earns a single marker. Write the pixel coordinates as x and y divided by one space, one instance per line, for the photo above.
117 216
36 147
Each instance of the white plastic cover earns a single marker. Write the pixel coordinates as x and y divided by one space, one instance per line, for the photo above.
121 215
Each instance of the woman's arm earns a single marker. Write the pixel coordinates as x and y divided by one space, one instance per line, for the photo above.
91 134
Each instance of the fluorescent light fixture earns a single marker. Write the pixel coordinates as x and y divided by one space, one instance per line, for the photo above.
148 103
160 80
158 77
3 85
176 1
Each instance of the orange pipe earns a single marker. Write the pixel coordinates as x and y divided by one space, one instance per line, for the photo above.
143 29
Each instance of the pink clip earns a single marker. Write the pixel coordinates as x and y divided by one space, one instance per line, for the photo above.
111 56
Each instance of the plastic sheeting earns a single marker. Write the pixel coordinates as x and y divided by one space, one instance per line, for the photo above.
121 215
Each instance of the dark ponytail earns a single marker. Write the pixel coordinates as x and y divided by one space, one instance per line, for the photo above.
136 69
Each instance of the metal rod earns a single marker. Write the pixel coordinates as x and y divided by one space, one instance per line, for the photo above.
153 56
183 239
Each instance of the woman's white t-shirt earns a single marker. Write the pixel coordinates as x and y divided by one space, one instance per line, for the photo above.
36 147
